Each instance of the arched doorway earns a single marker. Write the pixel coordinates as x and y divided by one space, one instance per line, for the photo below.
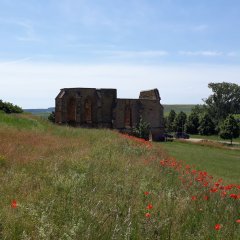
128 116
71 110
88 110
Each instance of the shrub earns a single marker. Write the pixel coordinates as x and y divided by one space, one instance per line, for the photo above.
9 107
51 117
142 129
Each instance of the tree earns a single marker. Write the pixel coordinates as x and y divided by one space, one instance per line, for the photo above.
192 123
206 125
179 122
170 121
225 100
9 107
51 117
229 128
142 129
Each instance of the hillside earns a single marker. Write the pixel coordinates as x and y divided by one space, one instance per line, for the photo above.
177 108
66 183
167 108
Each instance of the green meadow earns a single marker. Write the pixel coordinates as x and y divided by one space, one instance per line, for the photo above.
219 162
59 182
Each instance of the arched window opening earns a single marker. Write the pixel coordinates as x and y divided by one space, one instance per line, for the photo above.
128 117
71 110
88 111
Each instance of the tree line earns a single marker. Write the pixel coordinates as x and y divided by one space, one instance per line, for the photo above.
220 114
8 107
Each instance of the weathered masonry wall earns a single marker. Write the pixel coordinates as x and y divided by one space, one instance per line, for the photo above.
90 107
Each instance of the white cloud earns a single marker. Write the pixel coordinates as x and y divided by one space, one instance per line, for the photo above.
232 54
200 28
201 53
29 32
33 85
134 54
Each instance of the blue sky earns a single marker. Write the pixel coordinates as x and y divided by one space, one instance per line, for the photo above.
177 46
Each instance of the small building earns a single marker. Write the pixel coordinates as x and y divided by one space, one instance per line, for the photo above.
100 108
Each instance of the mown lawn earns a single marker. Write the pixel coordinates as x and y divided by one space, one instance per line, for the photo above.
214 137
66 183
221 163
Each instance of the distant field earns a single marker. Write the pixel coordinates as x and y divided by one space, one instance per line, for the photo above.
167 108
178 108
221 163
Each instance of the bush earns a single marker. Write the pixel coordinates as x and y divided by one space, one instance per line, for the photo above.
9 107
51 117
142 129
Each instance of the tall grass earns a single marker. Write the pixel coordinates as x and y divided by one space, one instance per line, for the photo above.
97 184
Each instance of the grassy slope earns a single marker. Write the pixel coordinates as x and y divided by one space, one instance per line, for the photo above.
177 108
221 163
89 184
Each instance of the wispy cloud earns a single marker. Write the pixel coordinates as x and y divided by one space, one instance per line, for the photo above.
200 28
30 80
201 53
29 33
232 54
135 54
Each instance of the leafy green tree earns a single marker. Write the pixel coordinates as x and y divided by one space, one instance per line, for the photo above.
229 128
51 117
170 120
225 100
142 129
9 107
206 125
192 123
179 122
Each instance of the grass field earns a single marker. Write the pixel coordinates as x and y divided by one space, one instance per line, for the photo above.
214 137
177 108
66 183
221 163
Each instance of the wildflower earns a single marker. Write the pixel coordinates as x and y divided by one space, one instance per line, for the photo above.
206 198
233 196
14 203
149 206
238 221
194 198
147 215
205 184
146 193
218 226
224 194
214 189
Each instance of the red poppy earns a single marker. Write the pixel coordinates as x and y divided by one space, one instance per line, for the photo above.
218 226
206 198
149 206
224 194
214 189
147 215
146 193
233 196
194 198
238 221
14 203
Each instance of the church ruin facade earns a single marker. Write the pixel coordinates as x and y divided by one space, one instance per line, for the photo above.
100 108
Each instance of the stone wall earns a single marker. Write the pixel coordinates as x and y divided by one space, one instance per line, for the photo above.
90 107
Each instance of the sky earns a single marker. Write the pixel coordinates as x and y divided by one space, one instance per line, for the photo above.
177 46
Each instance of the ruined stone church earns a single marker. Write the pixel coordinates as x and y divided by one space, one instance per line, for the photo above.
100 108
